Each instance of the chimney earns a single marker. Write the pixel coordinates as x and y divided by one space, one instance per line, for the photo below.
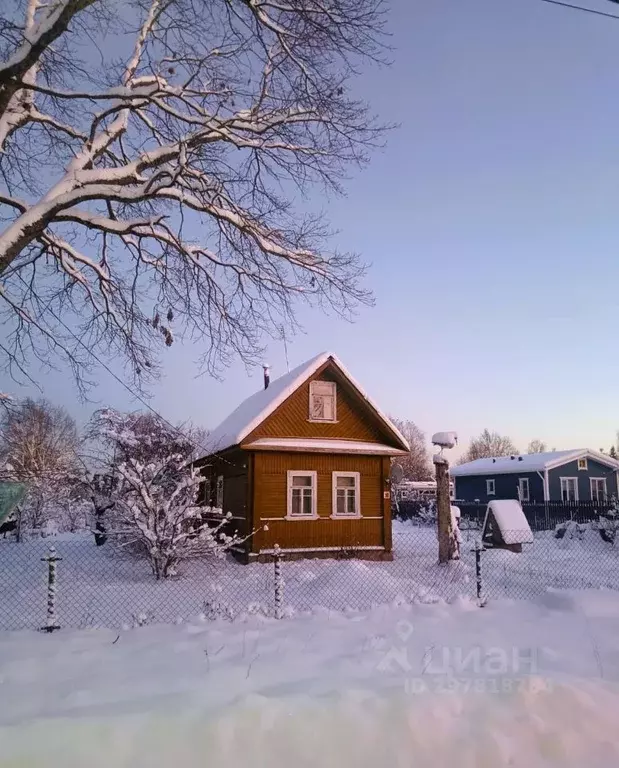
267 377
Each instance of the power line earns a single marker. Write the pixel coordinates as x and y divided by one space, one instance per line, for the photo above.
208 451
582 8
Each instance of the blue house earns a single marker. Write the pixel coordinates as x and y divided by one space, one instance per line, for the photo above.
578 475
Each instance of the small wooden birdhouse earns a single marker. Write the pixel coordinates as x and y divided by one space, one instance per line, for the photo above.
505 526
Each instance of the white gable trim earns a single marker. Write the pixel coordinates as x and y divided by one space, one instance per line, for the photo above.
585 453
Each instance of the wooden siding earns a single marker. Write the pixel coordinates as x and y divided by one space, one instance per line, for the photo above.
271 496
355 420
233 465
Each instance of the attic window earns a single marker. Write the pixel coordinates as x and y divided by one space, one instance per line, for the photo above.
582 464
322 401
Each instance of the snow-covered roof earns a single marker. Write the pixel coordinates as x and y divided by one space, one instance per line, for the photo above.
325 446
512 522
253 411
528 462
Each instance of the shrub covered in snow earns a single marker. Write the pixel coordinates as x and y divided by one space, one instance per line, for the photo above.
155 512
608 525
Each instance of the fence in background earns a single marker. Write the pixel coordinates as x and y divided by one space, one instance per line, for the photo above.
105 586
544 516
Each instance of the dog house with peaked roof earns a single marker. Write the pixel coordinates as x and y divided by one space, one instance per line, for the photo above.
506 526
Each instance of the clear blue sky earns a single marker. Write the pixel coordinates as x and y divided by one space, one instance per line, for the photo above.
491 224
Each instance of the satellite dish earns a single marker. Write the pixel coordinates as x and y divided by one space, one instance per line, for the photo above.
397 474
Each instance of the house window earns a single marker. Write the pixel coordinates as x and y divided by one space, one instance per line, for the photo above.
582 464
207 491
569 488
490 488
523 488
346 496
598 488
219 492
322 401
301 495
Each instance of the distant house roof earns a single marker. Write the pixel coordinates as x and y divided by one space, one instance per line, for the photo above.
528 462
253 411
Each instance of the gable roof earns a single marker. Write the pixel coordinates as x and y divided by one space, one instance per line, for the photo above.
259 406
528 462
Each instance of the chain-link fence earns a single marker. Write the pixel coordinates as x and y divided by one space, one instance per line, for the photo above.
106 586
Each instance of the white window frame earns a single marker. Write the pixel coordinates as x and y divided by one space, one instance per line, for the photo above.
333 386
586 464
291 474
522 483
575 479
491 483
596 480
334 512
219 492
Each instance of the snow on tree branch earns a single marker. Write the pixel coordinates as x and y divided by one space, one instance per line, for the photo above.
155 510
167 183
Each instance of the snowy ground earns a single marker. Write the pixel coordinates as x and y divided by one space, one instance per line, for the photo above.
516 683
96 587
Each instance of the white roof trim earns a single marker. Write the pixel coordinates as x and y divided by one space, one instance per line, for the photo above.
313 445
259 406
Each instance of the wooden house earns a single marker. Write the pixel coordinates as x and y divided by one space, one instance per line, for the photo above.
304 464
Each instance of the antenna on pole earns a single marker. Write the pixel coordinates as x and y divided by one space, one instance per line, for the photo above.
285 349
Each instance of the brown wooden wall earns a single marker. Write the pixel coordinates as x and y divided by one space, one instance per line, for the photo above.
270 501
354 420
234 466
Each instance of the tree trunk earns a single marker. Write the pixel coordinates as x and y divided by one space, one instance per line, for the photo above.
18 533
446 536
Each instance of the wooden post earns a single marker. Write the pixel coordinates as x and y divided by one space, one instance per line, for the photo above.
443 509
18 533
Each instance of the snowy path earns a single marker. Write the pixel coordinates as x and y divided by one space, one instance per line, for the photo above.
515 683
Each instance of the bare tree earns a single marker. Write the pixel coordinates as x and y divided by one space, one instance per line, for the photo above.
488 444
153 195
39 446
38 440
416 464
537 446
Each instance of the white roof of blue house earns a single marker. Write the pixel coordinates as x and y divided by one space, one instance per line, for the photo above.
528 462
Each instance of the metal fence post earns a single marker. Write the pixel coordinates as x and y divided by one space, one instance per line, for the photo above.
51 560
279 584
478 551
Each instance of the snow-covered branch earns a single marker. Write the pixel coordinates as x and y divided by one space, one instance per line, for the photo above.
169 180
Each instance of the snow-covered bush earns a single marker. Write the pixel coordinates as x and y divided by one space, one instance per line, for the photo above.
156 509
153 510
608 525
570 529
